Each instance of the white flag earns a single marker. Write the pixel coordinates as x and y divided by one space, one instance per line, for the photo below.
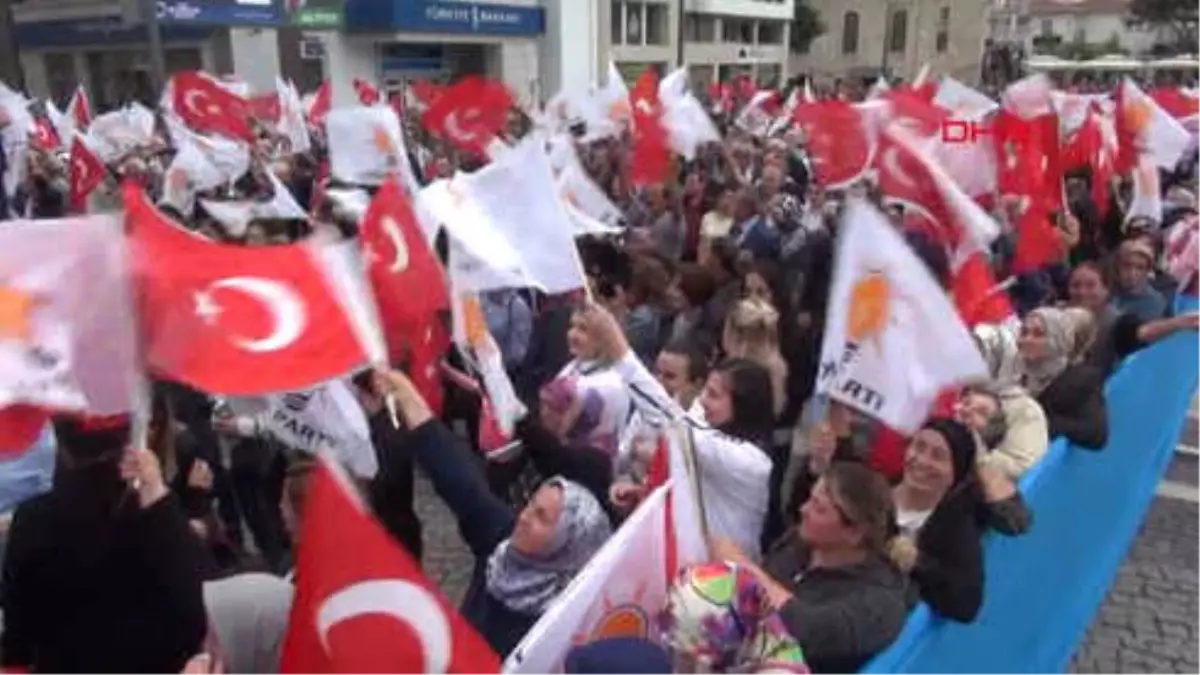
326 417
688 125
893 340
66 315
1147 195
963 102
292 123
236 215
121 132
1158 134
366 146
619 593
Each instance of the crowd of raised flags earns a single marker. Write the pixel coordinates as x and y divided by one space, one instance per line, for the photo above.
264 250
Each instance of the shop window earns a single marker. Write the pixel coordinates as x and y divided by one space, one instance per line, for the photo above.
701 28
770 33
656 24
617 23
898 36
850 33
943 30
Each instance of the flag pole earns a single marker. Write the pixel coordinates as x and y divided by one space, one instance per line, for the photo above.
158 65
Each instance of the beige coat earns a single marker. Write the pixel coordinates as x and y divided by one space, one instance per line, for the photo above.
1027 439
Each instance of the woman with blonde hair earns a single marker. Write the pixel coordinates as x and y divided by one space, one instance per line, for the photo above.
752 333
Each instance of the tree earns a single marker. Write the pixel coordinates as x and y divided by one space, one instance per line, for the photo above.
1177 17
806 26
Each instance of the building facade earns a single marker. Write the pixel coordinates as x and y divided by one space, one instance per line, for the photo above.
1055 23
717 39
102 44
866 38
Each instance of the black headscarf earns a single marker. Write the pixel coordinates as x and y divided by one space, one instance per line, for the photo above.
962 445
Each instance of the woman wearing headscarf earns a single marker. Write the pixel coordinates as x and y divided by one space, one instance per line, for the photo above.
730 426
937 514
1070 393
522 560
1027 435
1118 333
102 574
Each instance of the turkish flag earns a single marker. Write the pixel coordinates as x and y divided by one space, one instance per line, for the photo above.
367 93
977 296
208 107
266 107
322 103
45 137
87 173
422 94
651 160
245 321
836 139
80 109
362 604
20 427
410 288
469 113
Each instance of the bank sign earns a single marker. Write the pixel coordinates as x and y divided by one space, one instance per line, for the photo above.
432 16
221 12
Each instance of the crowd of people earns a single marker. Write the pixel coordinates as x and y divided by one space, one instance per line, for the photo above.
708 309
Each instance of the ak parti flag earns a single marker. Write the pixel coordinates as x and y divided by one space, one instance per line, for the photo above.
362 604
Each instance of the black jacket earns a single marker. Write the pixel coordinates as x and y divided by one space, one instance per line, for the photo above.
391 492
114 589
948 574
1075 407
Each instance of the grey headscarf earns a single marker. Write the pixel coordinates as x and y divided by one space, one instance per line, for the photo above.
249 613
1060 343
528 584
998 346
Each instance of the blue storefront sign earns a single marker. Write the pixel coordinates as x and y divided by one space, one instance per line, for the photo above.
106 30
221 12
436 16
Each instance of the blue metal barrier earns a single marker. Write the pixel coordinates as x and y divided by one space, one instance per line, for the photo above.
1042 590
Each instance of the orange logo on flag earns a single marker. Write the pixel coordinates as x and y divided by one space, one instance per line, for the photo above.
16 313
473 322
870 310
1137 115
384 143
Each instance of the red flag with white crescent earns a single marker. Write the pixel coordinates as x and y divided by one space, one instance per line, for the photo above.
45 136
322 103
207 107
409 286
362 604
837 141
240 321
470 113
87 173
266 107
80 109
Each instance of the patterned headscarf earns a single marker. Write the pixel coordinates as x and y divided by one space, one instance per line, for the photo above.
528 584
1060 340
717 620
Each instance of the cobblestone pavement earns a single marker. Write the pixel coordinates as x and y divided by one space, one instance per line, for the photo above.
446 558
1150 622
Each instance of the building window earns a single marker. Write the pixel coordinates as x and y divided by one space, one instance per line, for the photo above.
738 31
656 24
1080 34
899 31
701 28
768 75
1047 27
770 33
634 20
617 24
943 30
850 33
